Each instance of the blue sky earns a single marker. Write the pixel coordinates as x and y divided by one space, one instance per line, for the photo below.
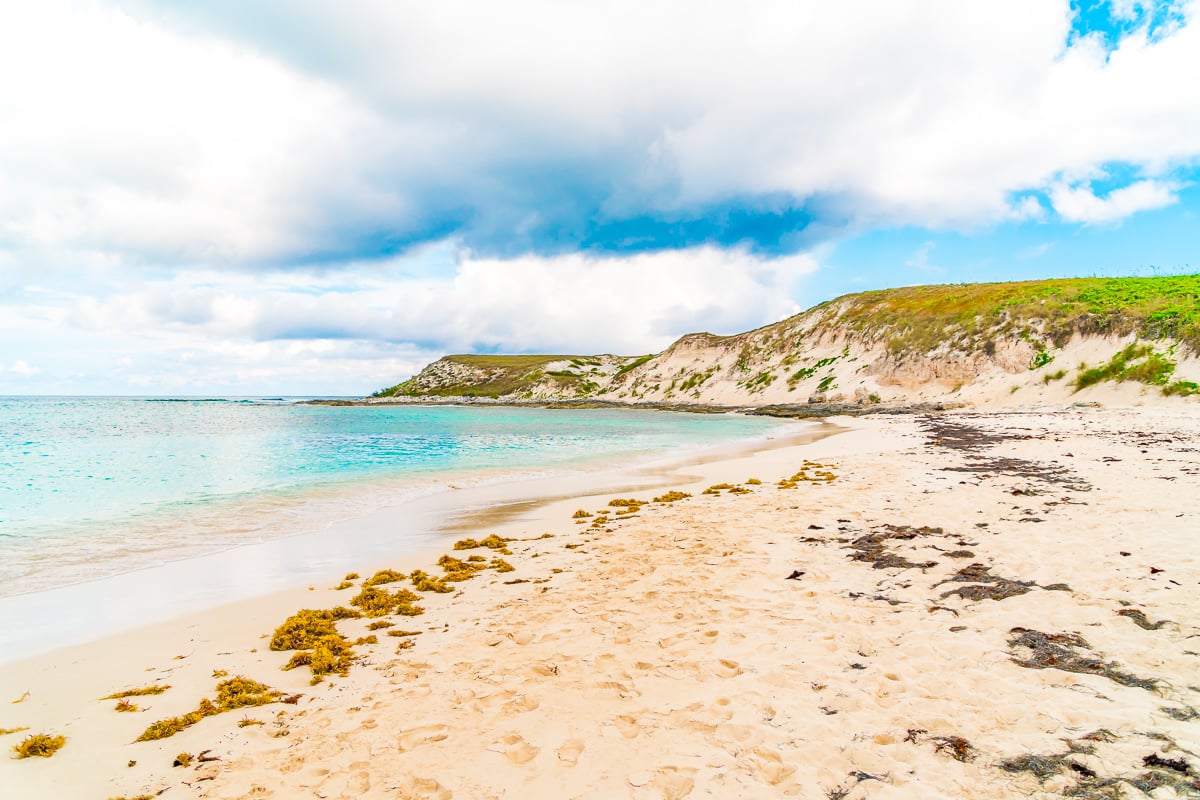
288 197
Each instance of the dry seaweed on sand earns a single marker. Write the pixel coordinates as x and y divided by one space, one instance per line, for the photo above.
1139 619
238 692
1062 651
157 688
39 745
873 548
986 586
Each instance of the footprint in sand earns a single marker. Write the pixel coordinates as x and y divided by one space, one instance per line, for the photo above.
426 734
516 749
569 751
413 788
520 704
767 765
669 783
727 669
627 726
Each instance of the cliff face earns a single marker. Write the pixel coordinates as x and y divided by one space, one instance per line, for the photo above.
981 343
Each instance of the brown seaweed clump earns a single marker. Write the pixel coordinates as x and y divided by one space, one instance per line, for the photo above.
873 547
671 497
384 576
232 694
986 585
1139 618
40 745
1062 651
157 688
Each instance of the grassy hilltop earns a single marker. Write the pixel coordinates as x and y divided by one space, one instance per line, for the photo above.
892 344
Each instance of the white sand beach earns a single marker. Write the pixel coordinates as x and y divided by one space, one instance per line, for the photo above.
962 605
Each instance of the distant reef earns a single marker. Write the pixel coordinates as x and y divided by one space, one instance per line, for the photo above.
1081 339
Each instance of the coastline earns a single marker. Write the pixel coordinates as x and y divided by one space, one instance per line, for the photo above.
322 546
675 655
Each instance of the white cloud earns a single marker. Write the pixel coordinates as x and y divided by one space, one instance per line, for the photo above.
352 331
573 302
1080 203
228 132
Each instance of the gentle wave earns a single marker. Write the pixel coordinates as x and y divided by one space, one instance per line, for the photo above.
95 486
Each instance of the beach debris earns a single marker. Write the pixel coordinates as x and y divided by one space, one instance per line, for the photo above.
343 585
182 760
858 776
955 746
21 699
321 646
1177 764
672 497
492 541
1185 714
1062 651
985 586
1139 619
1164 772
873 547
153 689
351 576
7 731
246 722
423 582
716 488
580 514
234 693
384 576
39 745
124 705
795 576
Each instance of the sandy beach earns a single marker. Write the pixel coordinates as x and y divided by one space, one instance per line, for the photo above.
960 605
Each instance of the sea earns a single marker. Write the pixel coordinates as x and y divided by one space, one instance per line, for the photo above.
92 487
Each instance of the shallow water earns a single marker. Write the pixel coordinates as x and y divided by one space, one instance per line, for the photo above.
91 487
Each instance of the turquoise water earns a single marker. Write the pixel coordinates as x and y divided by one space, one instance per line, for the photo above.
89 486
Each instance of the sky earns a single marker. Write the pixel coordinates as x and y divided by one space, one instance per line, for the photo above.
292 197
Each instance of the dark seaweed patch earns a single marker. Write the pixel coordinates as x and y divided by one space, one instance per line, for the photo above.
1139 619
1062 651
873 547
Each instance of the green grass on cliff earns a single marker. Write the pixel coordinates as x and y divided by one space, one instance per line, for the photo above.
974 316
506 375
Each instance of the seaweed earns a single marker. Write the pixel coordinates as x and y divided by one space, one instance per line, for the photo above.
671 497
1061 651
955 746
158 688
872 548
302 629
987 586
232 694
423 582
39 745
383 576
1139 619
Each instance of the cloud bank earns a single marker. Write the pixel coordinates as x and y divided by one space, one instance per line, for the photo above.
348 189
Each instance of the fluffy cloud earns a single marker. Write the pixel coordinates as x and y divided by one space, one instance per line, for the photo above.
351 331
574 303
282 132
1080 204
